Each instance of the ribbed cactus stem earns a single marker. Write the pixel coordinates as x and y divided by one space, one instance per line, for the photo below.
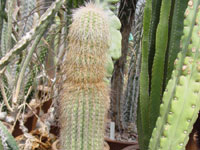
85 95
181 100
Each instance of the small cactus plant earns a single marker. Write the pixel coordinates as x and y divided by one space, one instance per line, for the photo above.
85 95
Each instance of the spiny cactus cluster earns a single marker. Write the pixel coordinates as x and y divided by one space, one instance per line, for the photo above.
181 101
85 95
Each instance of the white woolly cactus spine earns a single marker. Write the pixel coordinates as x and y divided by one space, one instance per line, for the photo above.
88 39
85 95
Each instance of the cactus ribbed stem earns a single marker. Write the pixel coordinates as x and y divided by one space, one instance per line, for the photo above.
181 101
85 95
82 119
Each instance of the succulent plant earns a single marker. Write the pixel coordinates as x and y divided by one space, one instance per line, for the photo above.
42 24
85 95
163 28
181 102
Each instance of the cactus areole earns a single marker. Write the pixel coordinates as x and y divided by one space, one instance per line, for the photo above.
85 95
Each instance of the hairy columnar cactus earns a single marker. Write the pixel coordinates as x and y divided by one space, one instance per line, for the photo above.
85 95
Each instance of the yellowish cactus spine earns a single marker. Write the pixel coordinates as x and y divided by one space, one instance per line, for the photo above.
85 95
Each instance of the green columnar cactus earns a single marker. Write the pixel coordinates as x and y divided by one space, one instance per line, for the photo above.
181 100
176 33
159 62
163 28
7 141
85 95
143 109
